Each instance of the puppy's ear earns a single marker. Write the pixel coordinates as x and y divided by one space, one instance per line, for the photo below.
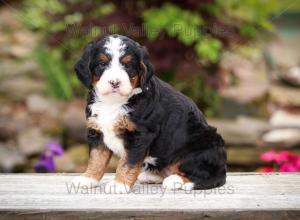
147 69
82 67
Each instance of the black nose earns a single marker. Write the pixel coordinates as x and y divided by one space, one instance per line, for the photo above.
115 83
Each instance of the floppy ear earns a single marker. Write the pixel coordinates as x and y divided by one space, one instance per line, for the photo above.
82 67
146 66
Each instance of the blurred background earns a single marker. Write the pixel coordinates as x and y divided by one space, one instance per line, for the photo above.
238 60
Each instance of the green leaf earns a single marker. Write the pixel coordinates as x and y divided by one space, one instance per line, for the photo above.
176 22
54 69
209 48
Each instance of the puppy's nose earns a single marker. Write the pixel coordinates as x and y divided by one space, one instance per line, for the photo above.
115 83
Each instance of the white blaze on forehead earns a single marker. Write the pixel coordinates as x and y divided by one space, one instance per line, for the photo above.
115 47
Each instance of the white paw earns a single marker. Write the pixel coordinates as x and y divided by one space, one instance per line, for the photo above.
117 187
173 182
149 177
188 186
85 182
93 123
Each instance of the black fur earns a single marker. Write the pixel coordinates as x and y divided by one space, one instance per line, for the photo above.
82 67
170 126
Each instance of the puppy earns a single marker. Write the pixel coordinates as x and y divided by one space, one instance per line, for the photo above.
159 134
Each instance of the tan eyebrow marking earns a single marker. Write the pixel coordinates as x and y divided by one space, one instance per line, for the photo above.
126 59
103 58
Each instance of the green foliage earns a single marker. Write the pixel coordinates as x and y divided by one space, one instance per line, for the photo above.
34 13
67 25
184 25
289 6
49 17
53 66
210 48
105 9
252 16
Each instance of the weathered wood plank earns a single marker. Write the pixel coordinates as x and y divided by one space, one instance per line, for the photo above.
245 196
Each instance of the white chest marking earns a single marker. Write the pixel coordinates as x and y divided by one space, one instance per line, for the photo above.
107 116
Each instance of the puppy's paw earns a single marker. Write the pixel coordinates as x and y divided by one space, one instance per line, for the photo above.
117 187
92 123
149 177
85 182
173 182
188 186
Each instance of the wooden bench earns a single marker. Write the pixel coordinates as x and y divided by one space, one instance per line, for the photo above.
245 196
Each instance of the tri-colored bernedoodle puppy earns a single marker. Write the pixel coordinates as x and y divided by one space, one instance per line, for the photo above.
159 134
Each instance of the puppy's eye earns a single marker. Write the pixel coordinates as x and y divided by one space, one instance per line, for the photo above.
127 64
102 64
103 60
126 60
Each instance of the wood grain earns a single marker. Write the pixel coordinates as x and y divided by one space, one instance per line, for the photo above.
245 196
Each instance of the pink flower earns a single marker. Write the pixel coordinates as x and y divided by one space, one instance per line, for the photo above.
298 163
266 169
269 156
282 156
295 160
286 167
286 161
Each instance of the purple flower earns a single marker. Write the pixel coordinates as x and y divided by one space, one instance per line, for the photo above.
46 160
45 164
55 148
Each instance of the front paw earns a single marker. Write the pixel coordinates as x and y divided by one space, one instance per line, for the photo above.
85 182
92 123
117 187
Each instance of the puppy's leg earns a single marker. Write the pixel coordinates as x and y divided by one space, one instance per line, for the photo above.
126 176
99 158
